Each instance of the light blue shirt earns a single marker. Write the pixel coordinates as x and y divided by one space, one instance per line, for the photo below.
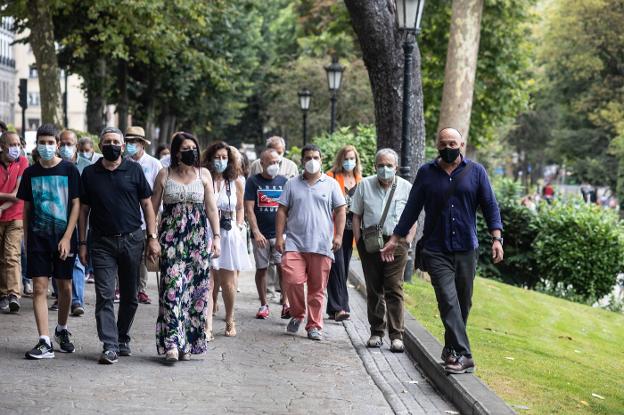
310 225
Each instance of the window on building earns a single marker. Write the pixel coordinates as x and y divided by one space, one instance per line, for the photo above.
33 99
33 123
32 72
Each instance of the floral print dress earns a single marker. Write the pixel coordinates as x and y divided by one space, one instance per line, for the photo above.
184 269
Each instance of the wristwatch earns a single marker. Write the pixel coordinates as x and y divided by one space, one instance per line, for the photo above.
152 236
497 238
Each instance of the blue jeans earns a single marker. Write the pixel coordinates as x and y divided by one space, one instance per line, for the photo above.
23 261
78 283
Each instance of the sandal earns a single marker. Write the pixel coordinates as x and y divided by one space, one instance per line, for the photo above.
171 355
209 336
230 329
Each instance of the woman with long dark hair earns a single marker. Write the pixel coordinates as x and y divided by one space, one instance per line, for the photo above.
184 290
219 160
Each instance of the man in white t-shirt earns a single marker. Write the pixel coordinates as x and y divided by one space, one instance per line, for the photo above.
135 150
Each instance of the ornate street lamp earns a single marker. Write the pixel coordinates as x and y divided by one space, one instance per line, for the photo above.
409 15
304 103
334 78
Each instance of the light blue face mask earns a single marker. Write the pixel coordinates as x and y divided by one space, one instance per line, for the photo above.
348 164
67 152
385 173
220 165
46 151
131 149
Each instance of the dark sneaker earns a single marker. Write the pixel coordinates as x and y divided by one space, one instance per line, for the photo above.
42 350
108 357
54 306
4 303
448 356
342 315
285 312
315 334
62 338
143 298
124 349
463 364
14 305
77 310
293 326
397 346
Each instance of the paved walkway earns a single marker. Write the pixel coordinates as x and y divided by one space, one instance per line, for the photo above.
262 370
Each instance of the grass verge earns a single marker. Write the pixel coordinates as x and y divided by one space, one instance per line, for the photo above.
541 354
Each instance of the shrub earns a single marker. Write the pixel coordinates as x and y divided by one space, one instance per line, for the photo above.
362 137
579 246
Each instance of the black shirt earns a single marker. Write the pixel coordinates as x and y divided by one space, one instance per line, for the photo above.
265 193
50 193
114 197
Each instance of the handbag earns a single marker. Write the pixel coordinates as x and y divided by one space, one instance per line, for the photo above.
420 245
373 235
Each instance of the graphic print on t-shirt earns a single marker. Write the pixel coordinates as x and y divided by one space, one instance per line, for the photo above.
267 198
50 204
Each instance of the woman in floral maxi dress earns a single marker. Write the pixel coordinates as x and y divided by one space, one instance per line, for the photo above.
188 205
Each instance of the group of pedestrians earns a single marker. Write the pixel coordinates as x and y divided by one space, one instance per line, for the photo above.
188 213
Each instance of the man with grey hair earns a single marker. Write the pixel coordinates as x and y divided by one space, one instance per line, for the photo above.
287 168
450 188
114 191
86 155
377 205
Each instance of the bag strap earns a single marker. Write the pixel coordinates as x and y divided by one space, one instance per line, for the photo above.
385 212
449 193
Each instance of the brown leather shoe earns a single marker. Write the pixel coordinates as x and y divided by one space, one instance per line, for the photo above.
448 356
463 364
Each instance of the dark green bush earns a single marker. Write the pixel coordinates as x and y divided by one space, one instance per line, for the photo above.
580 246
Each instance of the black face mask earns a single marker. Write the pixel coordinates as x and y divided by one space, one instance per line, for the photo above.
449 155
189 157
111 152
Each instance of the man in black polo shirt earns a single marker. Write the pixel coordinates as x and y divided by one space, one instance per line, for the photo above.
114 190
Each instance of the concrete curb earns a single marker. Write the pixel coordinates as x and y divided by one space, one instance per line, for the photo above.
467 392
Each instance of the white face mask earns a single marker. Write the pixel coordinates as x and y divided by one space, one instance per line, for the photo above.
313 166
279 158
385 173
272 170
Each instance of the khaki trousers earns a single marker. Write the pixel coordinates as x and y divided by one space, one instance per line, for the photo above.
11 234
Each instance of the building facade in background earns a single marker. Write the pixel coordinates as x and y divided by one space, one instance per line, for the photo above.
8 80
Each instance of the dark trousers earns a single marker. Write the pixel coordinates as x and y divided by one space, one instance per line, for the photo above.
452 276
337 291
112 256
384 290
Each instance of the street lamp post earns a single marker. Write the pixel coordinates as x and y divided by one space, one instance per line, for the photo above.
334 78
304 103
409 15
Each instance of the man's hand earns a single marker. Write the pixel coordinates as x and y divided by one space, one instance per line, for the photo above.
279 244
216 248
337 243
387 253
497 252
260 240
153 249
84 257
63 248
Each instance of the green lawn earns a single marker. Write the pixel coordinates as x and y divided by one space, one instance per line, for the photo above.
534 350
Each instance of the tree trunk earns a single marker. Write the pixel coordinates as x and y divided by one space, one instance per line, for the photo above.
96 101
461 65
42 42
122 104
382 48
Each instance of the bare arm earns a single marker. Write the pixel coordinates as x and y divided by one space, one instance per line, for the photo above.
412 233
340 217
64 245
157 194
280 221
25 222
251 217
240 210
82 223
210 204
150 216
357 227
10 197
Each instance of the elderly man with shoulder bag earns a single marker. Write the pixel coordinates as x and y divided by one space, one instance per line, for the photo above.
377 205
